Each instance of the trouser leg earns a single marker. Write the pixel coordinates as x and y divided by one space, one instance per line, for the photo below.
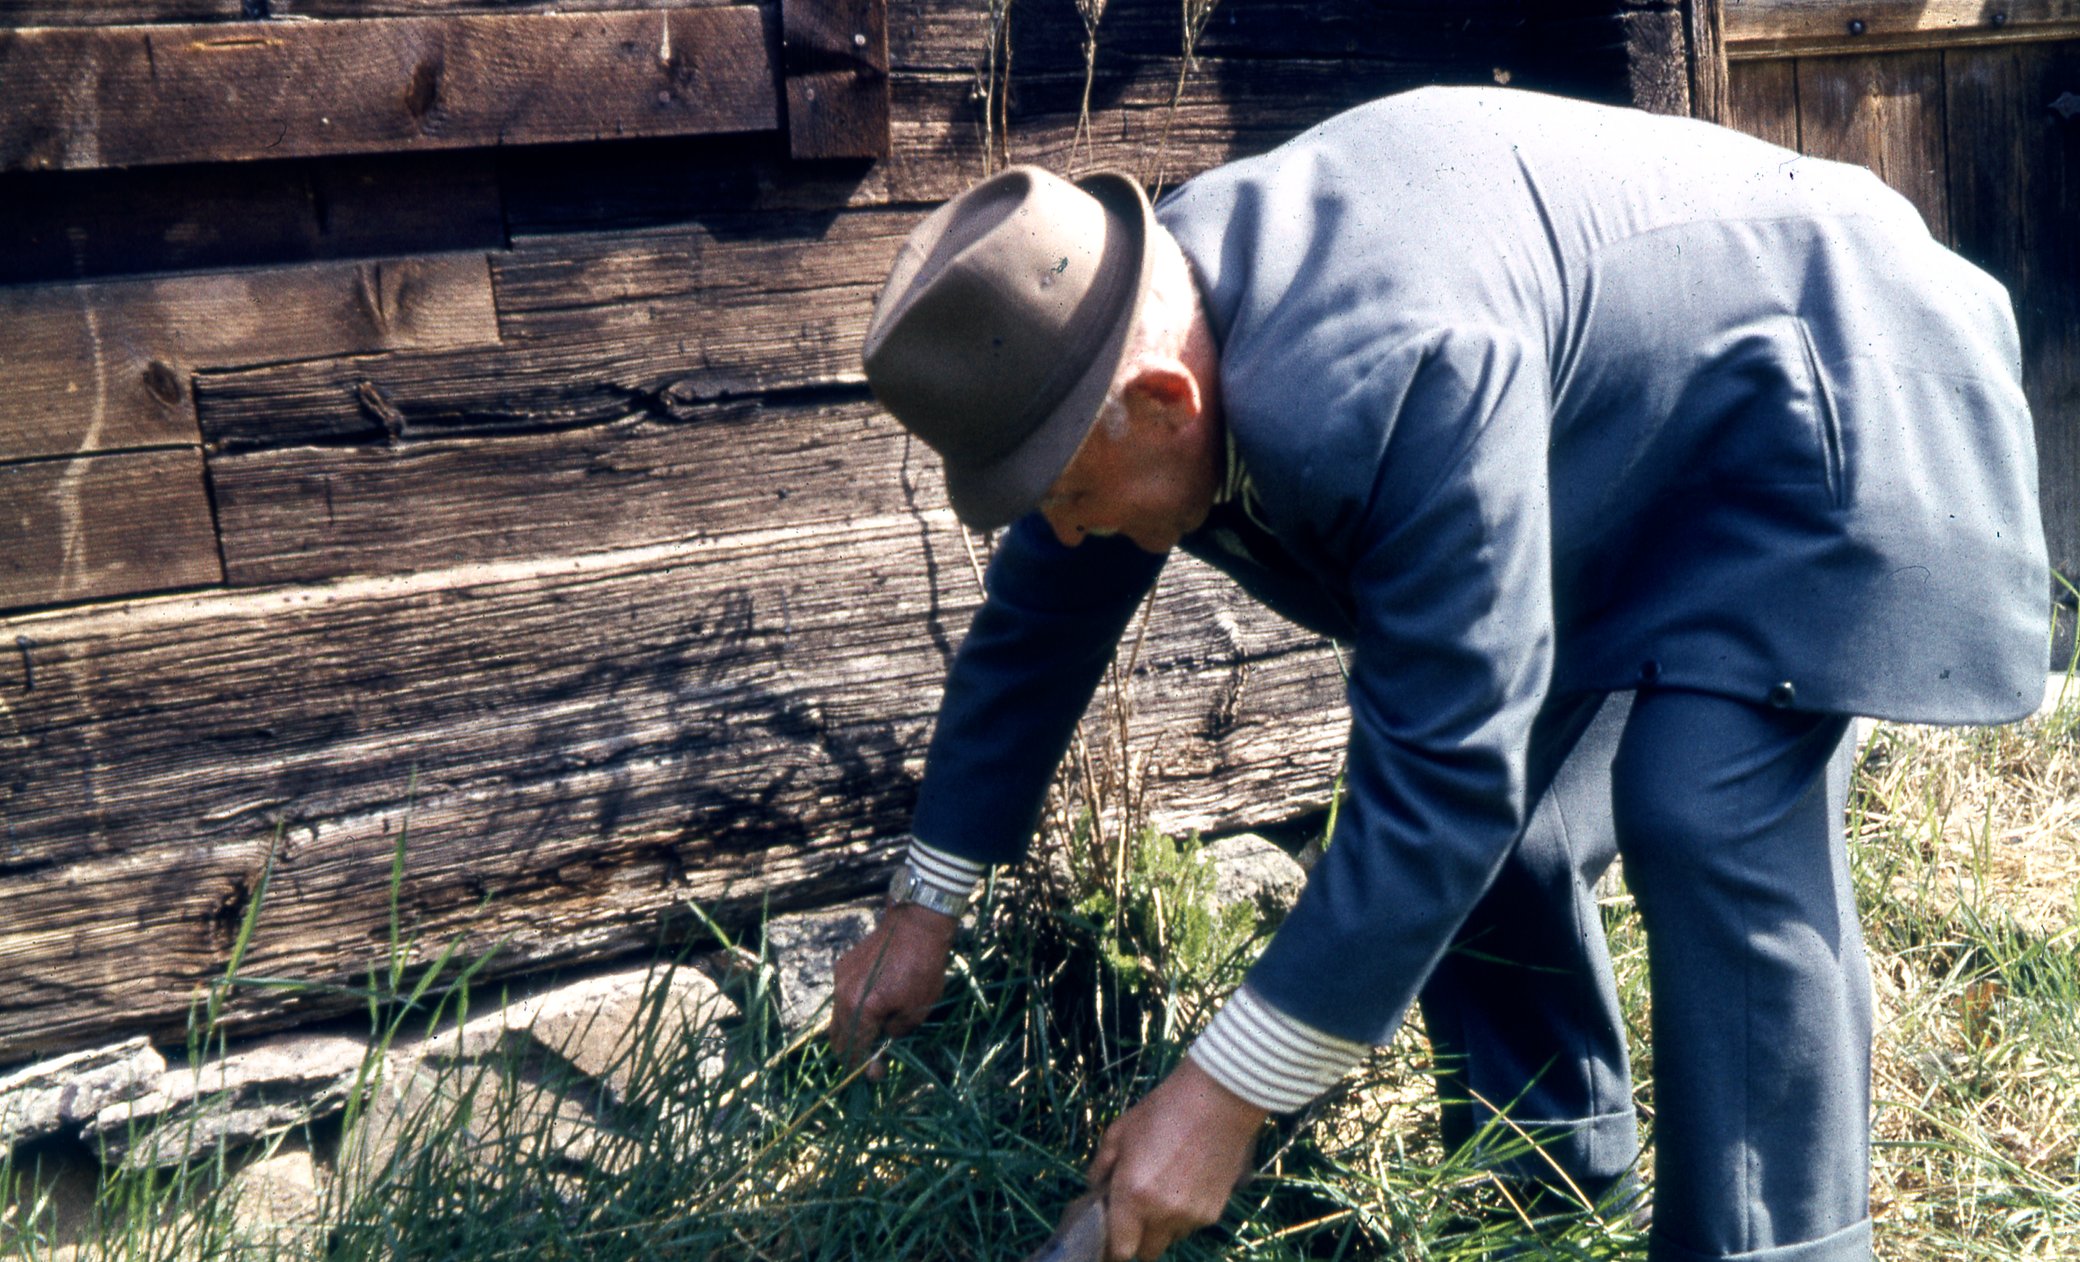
1730 820
1522 1012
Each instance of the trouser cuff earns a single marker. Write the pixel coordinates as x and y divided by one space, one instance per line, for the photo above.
1850 1244
1596 1153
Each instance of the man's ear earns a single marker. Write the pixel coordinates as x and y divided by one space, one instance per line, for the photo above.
1170 387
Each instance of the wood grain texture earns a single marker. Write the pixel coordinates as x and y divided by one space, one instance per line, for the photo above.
1762 100
1774 28
1657 77
580 748
319 513
834 58
2015 206
1884 112
108 364
100 526
656 358
1705 31
129 96
77 225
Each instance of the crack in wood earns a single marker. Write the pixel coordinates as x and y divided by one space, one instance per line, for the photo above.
378 408
223 42
228 916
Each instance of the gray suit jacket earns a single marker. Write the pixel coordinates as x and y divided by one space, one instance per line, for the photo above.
1539 397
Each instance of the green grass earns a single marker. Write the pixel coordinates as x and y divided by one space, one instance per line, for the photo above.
1079 996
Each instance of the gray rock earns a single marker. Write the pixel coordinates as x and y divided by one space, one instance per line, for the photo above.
607 1026
476 1111
237 1099
803 948
49 1096
543 1073
275 1202
1248 869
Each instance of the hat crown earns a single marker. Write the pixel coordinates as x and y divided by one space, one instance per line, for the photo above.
998 309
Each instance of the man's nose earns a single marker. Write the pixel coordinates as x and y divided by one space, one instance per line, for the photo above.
1068 531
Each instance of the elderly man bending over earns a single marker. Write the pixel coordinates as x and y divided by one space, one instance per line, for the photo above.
1632 457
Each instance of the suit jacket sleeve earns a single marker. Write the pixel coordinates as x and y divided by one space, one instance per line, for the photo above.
1049 622
1449 560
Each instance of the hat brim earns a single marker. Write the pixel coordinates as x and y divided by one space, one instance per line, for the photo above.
987 496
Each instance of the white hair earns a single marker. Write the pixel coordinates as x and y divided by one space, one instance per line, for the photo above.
1160 328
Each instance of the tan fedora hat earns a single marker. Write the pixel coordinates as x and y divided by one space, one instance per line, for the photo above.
1002 324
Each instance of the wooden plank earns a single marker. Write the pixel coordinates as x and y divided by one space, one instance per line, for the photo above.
579 748
1884 112
1775 28
1704 25
108 364
139 95
100 526
134 12
1762 100
318 513
718 257
14 13
834 57
75 225
2015 204
1657 62
657 358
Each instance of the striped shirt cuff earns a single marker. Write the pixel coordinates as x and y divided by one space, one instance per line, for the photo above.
949 874
1268 1058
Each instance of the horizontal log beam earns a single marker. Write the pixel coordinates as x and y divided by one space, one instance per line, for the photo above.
133 12
307 514
579 747
86 97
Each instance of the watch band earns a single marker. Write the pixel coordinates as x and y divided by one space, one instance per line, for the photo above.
910 886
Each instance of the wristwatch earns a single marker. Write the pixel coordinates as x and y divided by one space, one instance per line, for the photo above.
909 886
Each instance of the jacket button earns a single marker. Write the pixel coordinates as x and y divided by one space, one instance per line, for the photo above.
1783 695
1649 671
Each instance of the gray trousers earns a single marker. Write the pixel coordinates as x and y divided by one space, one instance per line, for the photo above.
1730 820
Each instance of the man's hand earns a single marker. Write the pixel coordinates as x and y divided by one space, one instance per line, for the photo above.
1171 1162
889 982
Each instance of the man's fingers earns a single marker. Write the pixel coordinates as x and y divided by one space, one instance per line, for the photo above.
1122 1232
1100 1172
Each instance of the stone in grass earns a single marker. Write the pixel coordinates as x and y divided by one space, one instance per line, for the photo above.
803 948
540 1077
237 1099
52 1095
1250 870
606 1027
275 1201
490 1114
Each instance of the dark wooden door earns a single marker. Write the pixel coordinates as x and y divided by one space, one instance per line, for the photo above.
1971 108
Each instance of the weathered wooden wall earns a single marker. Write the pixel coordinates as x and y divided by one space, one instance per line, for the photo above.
525 494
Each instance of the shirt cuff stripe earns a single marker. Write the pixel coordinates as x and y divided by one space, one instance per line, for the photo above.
1268 1058
947 873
